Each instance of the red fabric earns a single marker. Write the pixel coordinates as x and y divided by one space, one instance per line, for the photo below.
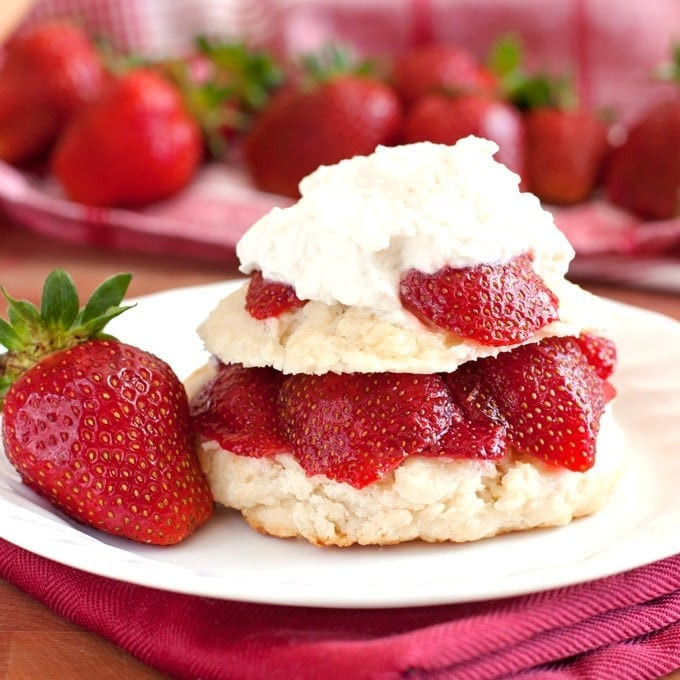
624 626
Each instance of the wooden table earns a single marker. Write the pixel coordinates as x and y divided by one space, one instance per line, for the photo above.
33 642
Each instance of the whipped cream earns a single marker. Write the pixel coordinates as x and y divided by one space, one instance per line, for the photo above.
363 222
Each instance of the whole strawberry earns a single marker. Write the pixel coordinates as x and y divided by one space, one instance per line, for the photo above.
46 77
445 119
643 175
439 68
565 151
566 144
337 114
98 427
135 145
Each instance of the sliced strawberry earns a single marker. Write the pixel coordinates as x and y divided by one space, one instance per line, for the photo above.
551 398
237 408
356 427
479 431
600 353
501 304
265 298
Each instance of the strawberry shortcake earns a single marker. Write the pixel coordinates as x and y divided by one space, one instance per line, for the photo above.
407 360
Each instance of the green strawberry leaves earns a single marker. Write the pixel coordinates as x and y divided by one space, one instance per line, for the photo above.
33 333
59 303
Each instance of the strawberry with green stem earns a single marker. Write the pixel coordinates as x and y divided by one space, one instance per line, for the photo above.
334 110
565 144
100 428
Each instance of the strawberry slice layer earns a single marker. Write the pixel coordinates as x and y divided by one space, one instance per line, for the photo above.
355 427
237 408
551 398
541 399
600 353
500 304
265 298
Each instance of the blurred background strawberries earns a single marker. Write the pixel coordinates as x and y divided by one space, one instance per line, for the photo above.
125 104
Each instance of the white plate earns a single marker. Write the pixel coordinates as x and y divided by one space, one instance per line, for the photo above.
226 559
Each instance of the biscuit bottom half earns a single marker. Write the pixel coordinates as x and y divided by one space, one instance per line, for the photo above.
429 499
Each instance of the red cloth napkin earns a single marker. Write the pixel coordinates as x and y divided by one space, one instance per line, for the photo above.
623 626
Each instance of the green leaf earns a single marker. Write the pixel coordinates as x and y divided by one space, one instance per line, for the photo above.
93 327
108 294
506 56
24 317
59 304
9 337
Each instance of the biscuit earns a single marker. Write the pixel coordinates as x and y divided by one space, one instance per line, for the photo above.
430 499
319 338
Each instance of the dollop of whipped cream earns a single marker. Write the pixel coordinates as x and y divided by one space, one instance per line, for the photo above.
363 222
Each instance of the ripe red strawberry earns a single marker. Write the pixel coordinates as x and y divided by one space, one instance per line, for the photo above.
444 119
338 116
265 298
356 427
600 352
46 77
643 175
551 399
237 409
439 68
565 151
134 145
501 304
100 428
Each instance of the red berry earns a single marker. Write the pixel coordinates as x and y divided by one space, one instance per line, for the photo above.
643 175
551 399
444 120
600 352
439 68
265 298
47 76
501 304
565 150
134 145
356 427
301 129
103 431
237 408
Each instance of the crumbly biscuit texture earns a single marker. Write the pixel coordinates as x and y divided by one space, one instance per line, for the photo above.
319 338
424 498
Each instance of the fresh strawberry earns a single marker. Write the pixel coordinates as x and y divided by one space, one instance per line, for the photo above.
134 145
566 145
439 68
46 77
500 304
265 298
356 427
444 119
600 352
98 427
643 175
339 115
237 408
551 399
565 151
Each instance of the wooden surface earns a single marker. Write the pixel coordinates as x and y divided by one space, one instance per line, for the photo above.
33 642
